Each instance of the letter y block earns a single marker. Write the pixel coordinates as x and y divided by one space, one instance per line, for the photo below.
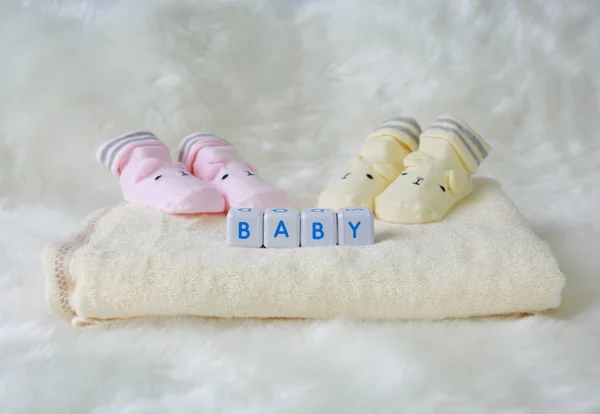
356 226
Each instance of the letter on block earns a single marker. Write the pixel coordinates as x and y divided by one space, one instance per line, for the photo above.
318 227
356 226
245 227
282 227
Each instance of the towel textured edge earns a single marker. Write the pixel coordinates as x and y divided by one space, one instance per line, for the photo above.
56 259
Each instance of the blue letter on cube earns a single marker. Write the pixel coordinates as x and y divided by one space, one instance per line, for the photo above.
282 228
318 227
243 232
356 227
244 227
317 230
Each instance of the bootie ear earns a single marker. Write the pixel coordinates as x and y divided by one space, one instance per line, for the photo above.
387 171
355 161
456 180
146 167
417 158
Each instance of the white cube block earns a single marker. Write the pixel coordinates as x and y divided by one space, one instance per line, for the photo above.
356 226
245 227
282 227
318 227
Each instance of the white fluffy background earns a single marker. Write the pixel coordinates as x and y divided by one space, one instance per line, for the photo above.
296 85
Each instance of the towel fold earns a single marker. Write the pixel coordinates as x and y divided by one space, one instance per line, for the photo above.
132 261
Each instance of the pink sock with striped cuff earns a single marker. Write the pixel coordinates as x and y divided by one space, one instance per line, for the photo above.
217 162
149 177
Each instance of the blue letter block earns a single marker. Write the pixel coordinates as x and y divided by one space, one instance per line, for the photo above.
245 227
356 226
282 227
318 227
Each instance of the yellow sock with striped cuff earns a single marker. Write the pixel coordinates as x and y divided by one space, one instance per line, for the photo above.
436 177
376 166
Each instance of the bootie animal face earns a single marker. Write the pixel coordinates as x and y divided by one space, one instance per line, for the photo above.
149 177
359 186
422 193
375 167
169 187
244 188
216 161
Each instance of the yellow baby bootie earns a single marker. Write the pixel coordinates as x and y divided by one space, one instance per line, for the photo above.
375 167
437 176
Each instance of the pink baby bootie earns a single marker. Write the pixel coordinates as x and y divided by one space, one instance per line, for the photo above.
149 177
216 161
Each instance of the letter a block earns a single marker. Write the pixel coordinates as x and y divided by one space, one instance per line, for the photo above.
355 227
318 227
282 227
245 227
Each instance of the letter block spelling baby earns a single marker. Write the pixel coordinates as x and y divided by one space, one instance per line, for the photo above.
285 228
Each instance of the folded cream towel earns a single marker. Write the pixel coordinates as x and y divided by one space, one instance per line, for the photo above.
133 261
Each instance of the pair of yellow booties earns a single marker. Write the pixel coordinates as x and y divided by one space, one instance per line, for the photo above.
405 175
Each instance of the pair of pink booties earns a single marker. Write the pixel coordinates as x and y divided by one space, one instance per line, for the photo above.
210 176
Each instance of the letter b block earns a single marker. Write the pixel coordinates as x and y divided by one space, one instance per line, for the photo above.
282 227
245 227
318 227
356 226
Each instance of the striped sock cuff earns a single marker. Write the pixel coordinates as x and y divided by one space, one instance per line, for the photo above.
189 146
405 130
466 141
111 152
